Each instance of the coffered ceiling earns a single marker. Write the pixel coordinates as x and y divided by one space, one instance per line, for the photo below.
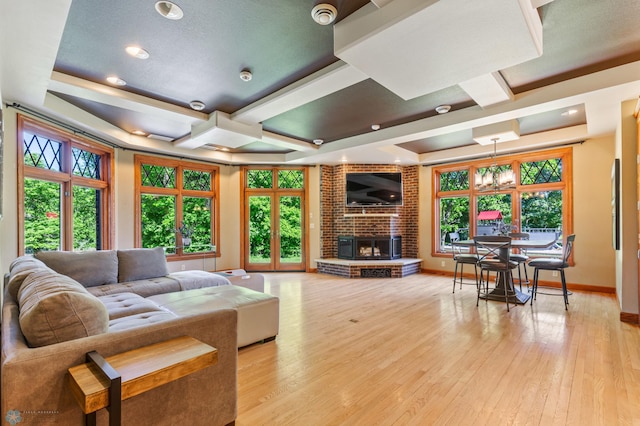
559 68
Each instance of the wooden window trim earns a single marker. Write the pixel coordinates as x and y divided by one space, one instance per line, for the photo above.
566 185
178 192
67 179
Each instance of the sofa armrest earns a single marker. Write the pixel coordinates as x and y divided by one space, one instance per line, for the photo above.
36 382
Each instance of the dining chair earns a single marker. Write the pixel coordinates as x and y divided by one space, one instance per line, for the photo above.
553 264
494 255
521 258
461 260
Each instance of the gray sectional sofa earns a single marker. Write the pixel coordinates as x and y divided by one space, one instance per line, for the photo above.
60 305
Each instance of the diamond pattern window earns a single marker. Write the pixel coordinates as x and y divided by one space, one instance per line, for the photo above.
42 152
158 176
290 179
457 180
85 163
259 179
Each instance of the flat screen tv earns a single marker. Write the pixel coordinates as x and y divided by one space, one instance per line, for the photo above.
374 189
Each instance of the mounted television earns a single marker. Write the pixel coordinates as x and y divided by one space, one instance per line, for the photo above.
374 189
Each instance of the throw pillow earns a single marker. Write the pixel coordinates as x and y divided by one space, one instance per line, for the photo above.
141 264
54 308
89 268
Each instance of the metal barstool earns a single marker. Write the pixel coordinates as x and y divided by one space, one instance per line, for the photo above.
461 259
521 258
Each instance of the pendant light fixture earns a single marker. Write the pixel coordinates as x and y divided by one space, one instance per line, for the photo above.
492 179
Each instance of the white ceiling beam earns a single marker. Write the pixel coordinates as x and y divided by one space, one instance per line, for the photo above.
527 142
381 3
30 35
60 109
221 130
488 89
287 142
539 3
108 95
465 48
330 79
611 85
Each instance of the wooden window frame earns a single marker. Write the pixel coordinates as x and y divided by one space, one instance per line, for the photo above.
515 160
274 190
67 180
179 192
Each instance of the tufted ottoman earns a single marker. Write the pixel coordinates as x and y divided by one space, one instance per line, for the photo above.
258 313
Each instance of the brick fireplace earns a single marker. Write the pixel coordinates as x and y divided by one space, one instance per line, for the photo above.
394 221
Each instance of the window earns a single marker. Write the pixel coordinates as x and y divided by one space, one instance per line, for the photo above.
176 204
539 203
64 202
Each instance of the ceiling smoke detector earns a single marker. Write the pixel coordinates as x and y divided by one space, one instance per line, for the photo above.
443 109
245 75
318 141
324 13
197 105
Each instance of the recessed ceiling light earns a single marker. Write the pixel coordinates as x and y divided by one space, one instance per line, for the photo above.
443 109
375 127
137 52
224 148
139 133
318 141
569 112
197 105
169 10
114 79
245 75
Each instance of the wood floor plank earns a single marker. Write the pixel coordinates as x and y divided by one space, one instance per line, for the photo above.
409 352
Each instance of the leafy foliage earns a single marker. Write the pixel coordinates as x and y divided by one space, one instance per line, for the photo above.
85 218
260 228
41 215
542 210
158 220
454 215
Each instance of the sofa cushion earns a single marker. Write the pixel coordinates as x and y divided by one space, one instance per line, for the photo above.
20 269
55 308
141 264
140 320
89 268
191 280
144 288
126 304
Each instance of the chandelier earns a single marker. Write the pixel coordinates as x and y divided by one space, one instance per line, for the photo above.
492 179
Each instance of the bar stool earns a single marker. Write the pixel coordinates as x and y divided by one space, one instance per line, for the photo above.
495 256
521 258
461 259
554 264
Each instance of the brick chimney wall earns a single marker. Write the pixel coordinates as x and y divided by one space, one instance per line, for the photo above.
333 209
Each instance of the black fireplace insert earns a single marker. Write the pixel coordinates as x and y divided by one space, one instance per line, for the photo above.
369 247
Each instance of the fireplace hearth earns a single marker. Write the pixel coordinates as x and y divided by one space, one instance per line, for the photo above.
370 247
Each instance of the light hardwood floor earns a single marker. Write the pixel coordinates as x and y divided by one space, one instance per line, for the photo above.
409 352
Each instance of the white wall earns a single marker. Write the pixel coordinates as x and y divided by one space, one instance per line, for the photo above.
8 224
594 255
313 216
626 259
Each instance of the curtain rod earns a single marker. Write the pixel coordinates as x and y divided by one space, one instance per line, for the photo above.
84 133
515 151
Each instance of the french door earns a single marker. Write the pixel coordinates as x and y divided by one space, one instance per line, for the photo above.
274 233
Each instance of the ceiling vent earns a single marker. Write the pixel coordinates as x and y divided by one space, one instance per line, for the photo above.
324 13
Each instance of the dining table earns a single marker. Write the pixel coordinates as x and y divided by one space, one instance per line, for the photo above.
515 295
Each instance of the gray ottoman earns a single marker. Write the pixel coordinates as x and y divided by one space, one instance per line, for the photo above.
258 313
